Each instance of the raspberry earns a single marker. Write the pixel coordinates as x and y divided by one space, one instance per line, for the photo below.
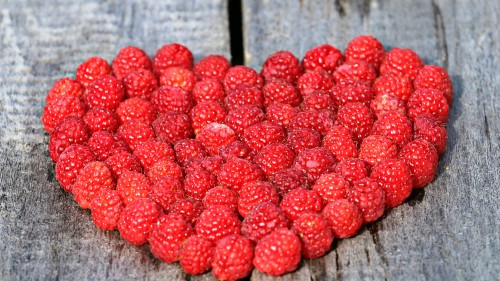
331 187
232 258
214 136
302 139
162 168
253 193
383 103
261 134
136 109
216 223
135 132
106 92
91 179
167 236
356 117
104 144
65 87
101 119
357 70
366 48
401 61
273 158
91 70
263 219
106 208
344 218
315 162
394 177
187 149
425 127
320 121
241 75
317 80
174 99
395 126
140 84
133 186
299 201
375 149
351 91
166 192
59 108
121 162
323 57
237 172
314 233
282 65
369 197
280 91
396 84
130 59
69 164
422 159
206 112
198 182
434 77
428 101
339 142
289 179
71 131
137 220
220 196
317 101
236 149
172 55
278 252
243 117
208 90
281 113
196 255
178 77
152 151
212 67
189 208
352 169
172 127
244 95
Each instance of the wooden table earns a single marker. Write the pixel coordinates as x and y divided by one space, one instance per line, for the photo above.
449 231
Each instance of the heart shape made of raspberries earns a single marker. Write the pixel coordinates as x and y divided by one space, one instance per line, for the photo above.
220 167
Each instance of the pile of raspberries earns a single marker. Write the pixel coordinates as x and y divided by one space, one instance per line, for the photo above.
221 167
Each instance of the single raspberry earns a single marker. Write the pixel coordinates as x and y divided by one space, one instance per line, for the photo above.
244 95
167 236
422 159
257 136
214 136
140 84
331 187
428 101
349 90
91 179
59 108
282 65
253 193
196 255
104 144
236 149
137 220
434 77
366 48
357 70
426 127
316 80
65 87
232 258
136 109
69 164
263 219
299 201
152 151
106 92
106 208
394 177
135 132
322 57
302 139
212 67
314 233
278 252
220 196
101 119
401 61
205 113
375 149
344 217
396 84
91 70
356 117
315 162
189 208
166 192
289 179
352 169
281 113
216 223
319 120
317 101
383 103
243 117
395 126
280 91
71 131
164 167
369 197
121 162
241 75
172 55
177 76
172 127
208 90
198 182
174 99
236 172
274 158
133 186
130 59
187 149
339 142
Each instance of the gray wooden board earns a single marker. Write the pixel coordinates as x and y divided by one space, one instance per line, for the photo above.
448 232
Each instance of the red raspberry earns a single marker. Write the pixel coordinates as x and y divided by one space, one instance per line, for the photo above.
394 177
289 179
167 236
302 139
106 208
91 70
331 187
299 201
366 48
236 149
214 136
344 217
278 252
106 92
187 149
317 101
280 91
173 99
314 233
262 220
121 162
101 119
253 193
282 65
351 91
425 127
172 55
216 223
396 126
244 95
357 70
136 108
339 142
135 132
137 220
323 57
281 113
212 67
65 87
172 127
384 103
140 84
434 77
352 169
356 117
69 164
319 120
151 151
422 159
162 168
396 84
59 108
241 75
428 101
166 192
130 59
243 117
232 258
104 144
273 158
401 61
237 172
206 112
133 186
315 162
198 182
196 255
317 80
369 197
189 208
91 179
375 149
208 90
220 196
178 77
261 134
71 131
